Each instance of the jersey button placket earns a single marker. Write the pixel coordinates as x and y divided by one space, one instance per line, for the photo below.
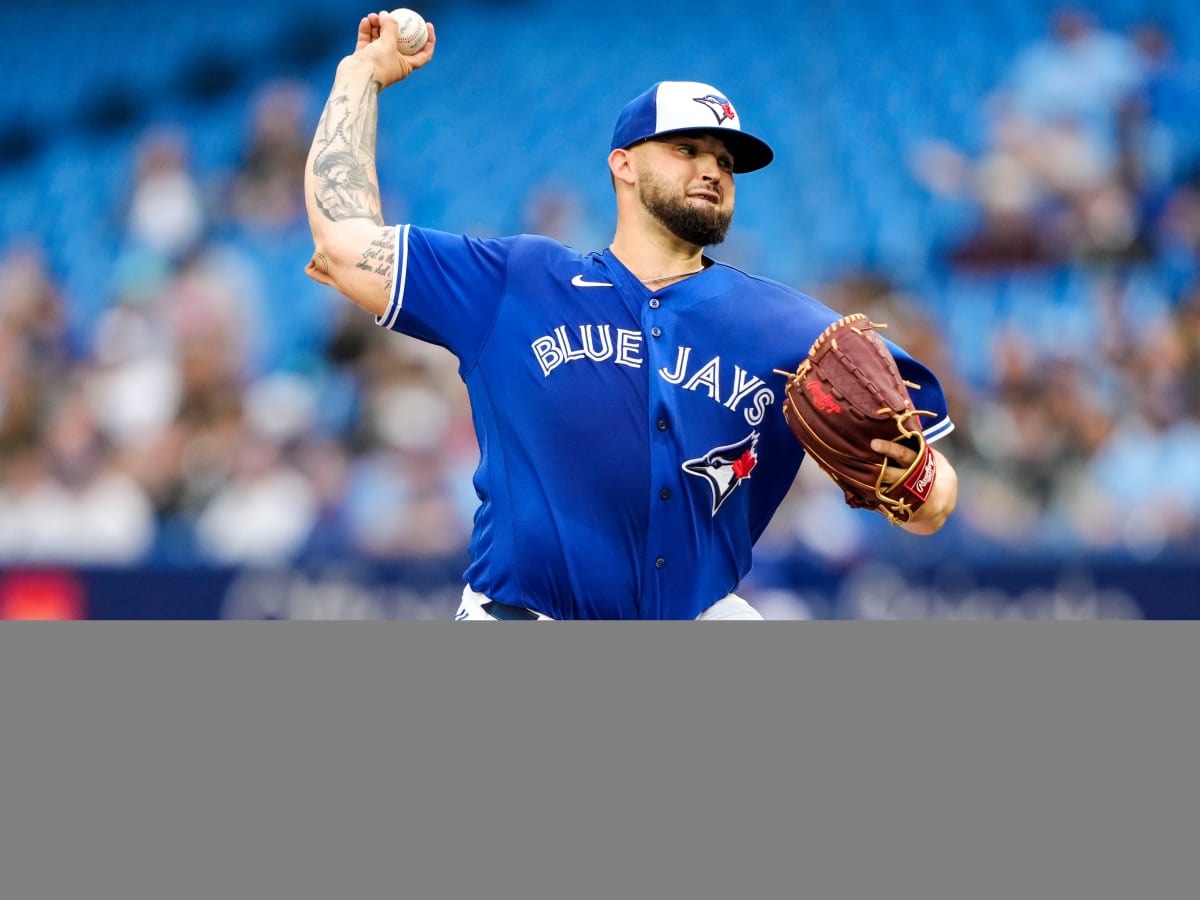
664 453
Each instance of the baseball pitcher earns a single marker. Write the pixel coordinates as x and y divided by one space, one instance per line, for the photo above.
641 410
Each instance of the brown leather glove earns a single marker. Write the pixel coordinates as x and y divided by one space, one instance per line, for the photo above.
846 393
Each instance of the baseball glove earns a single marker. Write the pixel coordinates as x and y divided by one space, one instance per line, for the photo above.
847 392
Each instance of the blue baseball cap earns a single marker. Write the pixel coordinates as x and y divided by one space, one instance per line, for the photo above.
670 107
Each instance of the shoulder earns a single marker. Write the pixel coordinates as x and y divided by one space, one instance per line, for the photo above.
523 250
526 243
766 293
540 245
531 250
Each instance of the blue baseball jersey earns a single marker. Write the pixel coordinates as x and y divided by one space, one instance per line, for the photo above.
632 442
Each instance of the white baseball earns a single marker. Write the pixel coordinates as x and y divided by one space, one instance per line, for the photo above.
413 33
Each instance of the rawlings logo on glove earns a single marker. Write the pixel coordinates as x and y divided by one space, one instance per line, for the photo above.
846 393
822 399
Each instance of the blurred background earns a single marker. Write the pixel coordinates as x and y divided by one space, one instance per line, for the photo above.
190 428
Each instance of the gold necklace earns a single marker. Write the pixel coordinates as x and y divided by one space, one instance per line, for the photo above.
669 277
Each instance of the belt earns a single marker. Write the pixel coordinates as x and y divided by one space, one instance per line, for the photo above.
504 611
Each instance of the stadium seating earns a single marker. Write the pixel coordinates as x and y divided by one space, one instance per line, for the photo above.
842 89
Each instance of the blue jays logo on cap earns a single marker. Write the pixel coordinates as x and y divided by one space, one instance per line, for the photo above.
670 107
721 108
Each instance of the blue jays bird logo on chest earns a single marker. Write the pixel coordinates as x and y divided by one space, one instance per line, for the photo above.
724 468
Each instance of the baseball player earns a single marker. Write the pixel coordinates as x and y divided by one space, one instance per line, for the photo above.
626 401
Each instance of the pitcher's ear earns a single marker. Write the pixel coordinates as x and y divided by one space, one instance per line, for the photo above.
621 166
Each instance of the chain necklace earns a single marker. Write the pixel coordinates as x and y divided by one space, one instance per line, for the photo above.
669 277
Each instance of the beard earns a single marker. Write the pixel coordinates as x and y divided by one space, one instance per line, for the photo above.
702 226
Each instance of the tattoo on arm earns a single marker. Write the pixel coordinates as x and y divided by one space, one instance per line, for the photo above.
344 161
380 258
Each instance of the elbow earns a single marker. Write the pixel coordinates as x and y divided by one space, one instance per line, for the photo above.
340 260
327 263
930 519
318 268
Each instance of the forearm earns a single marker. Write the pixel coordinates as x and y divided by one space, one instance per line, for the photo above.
353 249
340 181
932 514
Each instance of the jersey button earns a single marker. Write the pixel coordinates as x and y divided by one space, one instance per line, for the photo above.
660 562
665 494
656 331
662 424
654 303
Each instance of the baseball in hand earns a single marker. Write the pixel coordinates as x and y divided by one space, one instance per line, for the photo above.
413 33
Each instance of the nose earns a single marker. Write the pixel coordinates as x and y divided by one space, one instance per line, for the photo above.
710 169
709 165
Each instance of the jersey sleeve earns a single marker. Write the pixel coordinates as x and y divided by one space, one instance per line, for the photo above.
447 288
929 396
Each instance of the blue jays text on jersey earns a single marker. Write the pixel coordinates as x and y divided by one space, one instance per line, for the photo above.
632 449
596 344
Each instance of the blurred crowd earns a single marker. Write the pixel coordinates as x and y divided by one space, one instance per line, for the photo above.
171 433
176 432
1084 439
1089 152
1061 452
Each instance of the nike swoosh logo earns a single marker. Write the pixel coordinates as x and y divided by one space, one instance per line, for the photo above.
579 282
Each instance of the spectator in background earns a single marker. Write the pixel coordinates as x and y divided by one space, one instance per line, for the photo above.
1078 73
1141 489
1055 181
134 386
403 498
1160 145
1176 233
1042 422
1166 116
166 216
265 507
262 513
34 352
133 374
1003 185
1166 107
1045 193
215 305
1188 325
65 499
31 305
263 191
1076 89
325 463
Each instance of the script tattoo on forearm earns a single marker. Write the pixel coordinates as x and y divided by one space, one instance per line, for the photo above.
380 258
344 162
